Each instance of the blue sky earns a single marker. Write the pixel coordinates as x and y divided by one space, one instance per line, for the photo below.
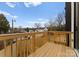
28 13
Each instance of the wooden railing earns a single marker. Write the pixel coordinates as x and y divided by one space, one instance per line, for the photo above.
23 44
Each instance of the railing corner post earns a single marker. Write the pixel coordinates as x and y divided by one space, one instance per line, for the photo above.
71 40
33 40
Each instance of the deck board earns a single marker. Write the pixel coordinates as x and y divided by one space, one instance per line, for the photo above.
51 49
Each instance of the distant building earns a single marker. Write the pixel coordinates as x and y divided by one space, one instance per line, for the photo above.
38 29
41 29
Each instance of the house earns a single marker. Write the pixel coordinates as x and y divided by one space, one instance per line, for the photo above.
72 20
42 29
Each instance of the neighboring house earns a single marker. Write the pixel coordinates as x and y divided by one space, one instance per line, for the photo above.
31 30
17 30
37 29
41 29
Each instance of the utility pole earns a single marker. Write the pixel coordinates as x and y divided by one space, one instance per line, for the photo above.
12 25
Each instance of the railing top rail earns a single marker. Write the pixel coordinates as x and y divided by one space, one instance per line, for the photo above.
64 32
19 33
34 32
15 35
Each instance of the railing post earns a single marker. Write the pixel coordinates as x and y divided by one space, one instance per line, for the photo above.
47 36
16 47
71 40
67 39
33 42
5 47
11 48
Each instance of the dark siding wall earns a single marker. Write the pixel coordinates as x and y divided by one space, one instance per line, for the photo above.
68 16
75 28
76 22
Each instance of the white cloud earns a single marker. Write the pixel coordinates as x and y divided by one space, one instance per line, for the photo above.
11 4
8 14
3 12
32 22
15 17
29 4
36 3
39 20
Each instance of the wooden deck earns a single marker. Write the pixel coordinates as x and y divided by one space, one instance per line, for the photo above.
51 49
38 44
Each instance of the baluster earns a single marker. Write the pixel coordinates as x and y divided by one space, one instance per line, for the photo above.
24 46
20 47
5 47
25 49
16 47
11 47
47 37
30 44
27 46
71 40
33 40
21 43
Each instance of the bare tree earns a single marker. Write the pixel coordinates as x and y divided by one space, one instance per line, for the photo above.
56 24
60 21
37 25
51 25
46 25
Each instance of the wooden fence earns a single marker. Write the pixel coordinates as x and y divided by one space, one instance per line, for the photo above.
23 44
